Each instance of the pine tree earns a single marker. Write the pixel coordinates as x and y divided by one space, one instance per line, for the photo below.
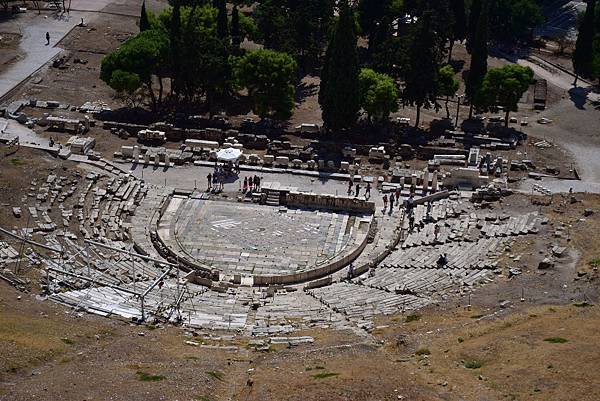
459 22
144 22
235 27
583 54
222 19
339 91
474 14
479 55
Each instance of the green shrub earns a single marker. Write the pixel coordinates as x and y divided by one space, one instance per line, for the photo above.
145 377
413 318
325 375
556 340
215 374
473 364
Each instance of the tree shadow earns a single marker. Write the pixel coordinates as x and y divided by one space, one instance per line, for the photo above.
578 96
457 65
134 115
237 106
7 15
508 52
304 90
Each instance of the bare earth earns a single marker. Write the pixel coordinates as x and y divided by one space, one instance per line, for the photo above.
498 348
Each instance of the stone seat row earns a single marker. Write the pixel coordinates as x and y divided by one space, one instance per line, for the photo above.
424 281
461 255
362 303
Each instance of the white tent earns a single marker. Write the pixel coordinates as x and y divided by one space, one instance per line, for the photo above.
228 154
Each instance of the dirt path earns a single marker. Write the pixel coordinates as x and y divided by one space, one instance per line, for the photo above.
35 52
576 129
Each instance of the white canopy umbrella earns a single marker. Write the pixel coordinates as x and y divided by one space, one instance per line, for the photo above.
228 154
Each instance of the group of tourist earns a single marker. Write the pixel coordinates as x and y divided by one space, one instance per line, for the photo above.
395 198
216 181
358 188
251 184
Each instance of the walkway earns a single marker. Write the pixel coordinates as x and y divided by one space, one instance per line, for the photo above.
33 44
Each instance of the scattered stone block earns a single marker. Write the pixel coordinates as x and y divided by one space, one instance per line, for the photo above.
545 264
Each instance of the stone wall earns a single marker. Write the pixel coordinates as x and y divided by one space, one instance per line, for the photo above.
330 202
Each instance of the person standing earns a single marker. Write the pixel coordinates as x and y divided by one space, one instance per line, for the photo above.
350 187
47 38
209 179
392 199
436 231
368 190
357 189
385 200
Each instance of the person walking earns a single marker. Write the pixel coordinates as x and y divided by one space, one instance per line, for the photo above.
410 204
436 231
245 184
411 222
392 199
209 179
357 190
350 187
385 200
368 190
47 38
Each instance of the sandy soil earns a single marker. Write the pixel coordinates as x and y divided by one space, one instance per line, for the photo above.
10 37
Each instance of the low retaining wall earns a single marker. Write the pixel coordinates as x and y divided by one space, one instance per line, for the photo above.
331 202
318 272
433 197
314 274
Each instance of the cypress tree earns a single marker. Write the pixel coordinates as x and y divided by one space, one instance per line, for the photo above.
421 80
583 54
222 19
144 22
479 55
235 27
175 40
459 22
339 92
474 13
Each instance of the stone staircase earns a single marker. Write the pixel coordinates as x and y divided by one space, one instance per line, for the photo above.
273 198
